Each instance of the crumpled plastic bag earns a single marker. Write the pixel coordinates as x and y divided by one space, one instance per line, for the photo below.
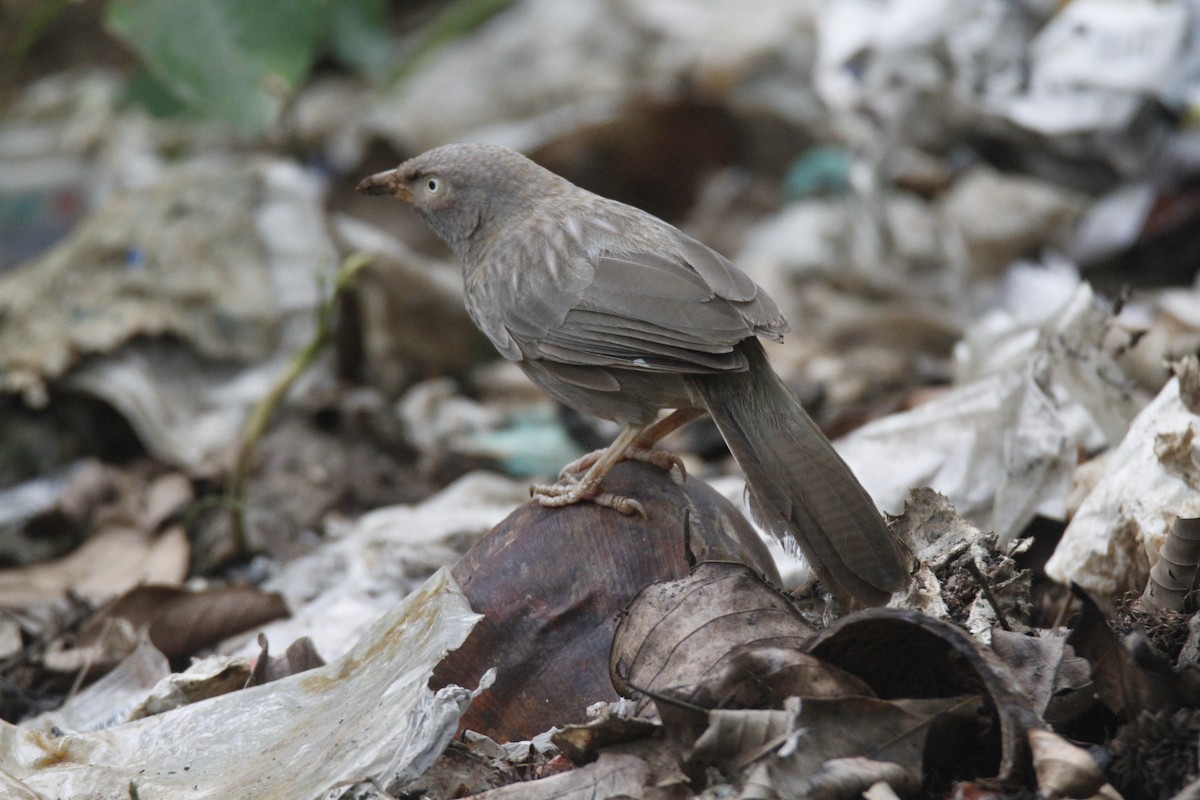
1003 448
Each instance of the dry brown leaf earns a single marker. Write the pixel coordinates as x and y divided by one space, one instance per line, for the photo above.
897 731
126 514
300 656
841 778
106 647
1123 684
582 743
549 645
811 731
103 566
67 522
678 634
611 776
762 675
1057 682
460 771
734 739
208 677
905 654
98 497
181 621
1063 770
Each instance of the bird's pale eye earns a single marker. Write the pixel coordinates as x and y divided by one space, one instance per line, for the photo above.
433 185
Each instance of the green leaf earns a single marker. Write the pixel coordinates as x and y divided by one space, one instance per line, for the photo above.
230 60
151 95
359 38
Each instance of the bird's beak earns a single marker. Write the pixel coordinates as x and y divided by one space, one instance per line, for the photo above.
385 183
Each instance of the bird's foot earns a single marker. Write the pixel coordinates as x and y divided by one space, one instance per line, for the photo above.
668 462
571 491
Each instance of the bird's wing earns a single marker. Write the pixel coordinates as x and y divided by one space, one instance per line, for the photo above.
657 313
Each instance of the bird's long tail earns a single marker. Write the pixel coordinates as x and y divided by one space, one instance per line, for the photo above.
800 487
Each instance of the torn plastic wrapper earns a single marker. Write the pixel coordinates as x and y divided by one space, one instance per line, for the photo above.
365 715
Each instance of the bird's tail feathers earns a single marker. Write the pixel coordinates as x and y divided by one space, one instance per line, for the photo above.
799 487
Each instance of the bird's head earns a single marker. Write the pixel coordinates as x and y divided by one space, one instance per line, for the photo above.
462 189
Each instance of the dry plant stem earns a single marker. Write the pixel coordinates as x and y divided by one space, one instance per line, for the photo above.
641 448
1064 612
81 676
256 425
1172 576
986 588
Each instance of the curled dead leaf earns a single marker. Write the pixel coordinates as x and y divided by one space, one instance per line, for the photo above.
611 776
582 743
103 648
181 621
809 733
761 675
904 654
300 656
109 562
552 583
735 738
209 677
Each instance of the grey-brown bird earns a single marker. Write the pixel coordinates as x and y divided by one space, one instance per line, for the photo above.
620 315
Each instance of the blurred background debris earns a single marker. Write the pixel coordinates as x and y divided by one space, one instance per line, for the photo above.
981 218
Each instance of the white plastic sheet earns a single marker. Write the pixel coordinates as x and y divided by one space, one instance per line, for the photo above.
366 715
1003 447
339 587
1115 536
1098 61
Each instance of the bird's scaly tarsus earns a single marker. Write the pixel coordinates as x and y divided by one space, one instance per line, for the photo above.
635 442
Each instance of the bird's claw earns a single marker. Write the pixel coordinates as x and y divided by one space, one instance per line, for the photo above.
622 503
568 493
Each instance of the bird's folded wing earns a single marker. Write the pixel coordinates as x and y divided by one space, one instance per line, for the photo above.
646 311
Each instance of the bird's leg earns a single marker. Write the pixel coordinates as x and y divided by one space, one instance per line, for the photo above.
635 442
587 487
671 422
642 448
